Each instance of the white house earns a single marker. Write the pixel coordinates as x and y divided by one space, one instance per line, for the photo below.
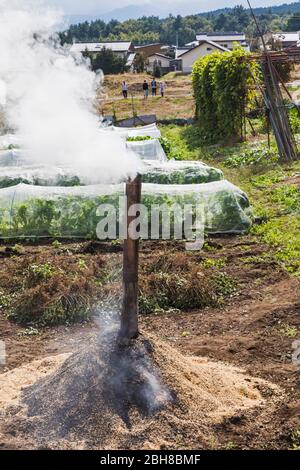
205 47
157 60
227 40
285 40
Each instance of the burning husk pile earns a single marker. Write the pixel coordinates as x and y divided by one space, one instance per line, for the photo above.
145 395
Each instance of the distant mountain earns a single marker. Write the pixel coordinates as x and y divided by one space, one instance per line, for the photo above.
135 11
161 10
275 9
120 14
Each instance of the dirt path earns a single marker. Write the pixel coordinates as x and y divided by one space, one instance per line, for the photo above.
141 97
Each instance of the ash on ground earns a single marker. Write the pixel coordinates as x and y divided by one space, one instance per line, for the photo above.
145 395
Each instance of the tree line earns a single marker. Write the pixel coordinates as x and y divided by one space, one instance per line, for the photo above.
149 29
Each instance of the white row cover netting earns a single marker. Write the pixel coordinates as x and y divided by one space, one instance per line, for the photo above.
150 130
180 172
148 149
15 168
14 157
9 140
28 211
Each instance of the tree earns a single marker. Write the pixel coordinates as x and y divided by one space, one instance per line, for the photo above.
157 71
293 23
108 62
220 23
139 63
150 29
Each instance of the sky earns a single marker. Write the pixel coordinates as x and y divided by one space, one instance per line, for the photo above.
87 7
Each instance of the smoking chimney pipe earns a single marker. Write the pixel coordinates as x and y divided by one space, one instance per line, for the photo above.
129 317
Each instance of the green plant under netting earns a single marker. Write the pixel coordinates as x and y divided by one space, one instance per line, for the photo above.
155 172
225 209
60 180
181 173
139 138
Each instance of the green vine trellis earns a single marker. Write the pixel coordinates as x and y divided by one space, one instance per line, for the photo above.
223 88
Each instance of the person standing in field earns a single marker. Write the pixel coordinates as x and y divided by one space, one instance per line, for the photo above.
146 89
162 89
124 89
153 87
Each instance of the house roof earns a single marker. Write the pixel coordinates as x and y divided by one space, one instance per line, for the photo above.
148 45
115 46
130 59
211 43
159 55
181 50
286 37
192 44
216 36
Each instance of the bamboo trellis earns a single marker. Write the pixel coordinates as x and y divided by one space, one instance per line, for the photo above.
272 95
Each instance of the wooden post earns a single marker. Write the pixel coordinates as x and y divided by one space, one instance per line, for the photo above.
129 316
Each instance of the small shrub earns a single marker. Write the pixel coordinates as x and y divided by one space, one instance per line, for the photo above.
37 273
56 244
225 285
295 437
29 332
289 331
82 264
294 120
171 149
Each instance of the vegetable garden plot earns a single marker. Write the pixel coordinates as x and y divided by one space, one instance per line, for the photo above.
34 211
171 172
180 172
40 176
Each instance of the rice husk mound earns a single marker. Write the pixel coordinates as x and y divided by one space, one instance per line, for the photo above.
143 395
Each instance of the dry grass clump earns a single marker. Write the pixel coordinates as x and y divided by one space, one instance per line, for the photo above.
53 289
178 281
59 300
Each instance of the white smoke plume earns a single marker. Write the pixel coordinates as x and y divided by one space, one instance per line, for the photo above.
48 96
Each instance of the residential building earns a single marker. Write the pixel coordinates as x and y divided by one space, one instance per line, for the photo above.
158 60
186 59
227 40
285 40
147 50
181 50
